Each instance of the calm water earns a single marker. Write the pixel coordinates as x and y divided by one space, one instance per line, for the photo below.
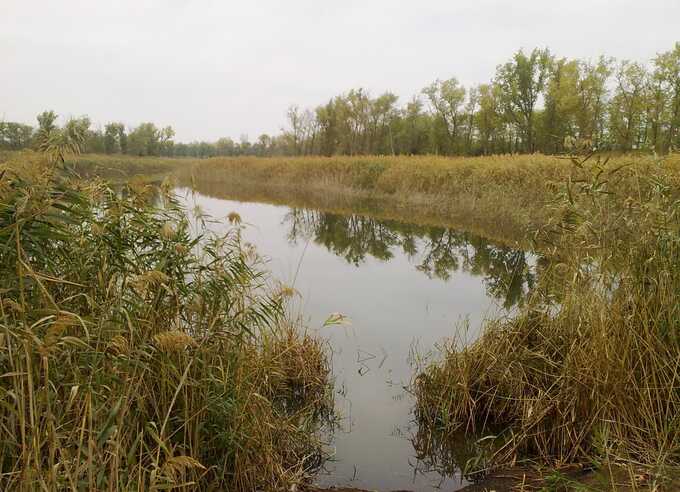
404 288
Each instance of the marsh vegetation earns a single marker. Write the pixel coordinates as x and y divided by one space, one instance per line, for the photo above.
143 346
589 377
139 353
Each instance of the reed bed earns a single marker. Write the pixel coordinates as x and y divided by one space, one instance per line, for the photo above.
138 354
590 372
505 197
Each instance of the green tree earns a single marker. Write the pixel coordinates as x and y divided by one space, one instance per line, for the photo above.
490 119
561 105
592 99
627 107
114 138
144 140
15 136
522 80
667 72
447 98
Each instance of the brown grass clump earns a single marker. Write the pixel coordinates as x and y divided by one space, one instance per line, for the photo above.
135 355
590 373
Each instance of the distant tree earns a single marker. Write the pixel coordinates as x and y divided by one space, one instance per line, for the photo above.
627 107
522 80
165 142
295 131
115 140
561 105
144 140
667 72
15 136
56 142
592 96
447 98
225 146
411 129
46 125
470 111
382 112
490 119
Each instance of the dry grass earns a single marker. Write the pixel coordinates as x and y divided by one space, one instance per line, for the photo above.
136 355
503 197
590 372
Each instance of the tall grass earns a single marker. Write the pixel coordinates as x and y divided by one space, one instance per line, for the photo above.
503 197
592 375
122 167
136 354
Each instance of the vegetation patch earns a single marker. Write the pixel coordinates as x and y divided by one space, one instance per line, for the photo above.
137 351
502 197
587 371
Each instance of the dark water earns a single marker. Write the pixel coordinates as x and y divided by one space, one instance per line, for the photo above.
404 288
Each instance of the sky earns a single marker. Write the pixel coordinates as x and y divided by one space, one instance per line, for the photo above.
216 68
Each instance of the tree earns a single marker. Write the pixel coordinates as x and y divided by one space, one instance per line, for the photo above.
15 136
412 128
294 116
381 114
470 110
561 105
115 139
165 142
144 140
522 80
490 120
627 107
225 146
592 99
446 98
56 142
667 72
46 125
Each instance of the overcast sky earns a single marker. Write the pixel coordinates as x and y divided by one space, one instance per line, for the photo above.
226 68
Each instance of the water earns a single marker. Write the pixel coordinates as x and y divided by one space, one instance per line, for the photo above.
404 289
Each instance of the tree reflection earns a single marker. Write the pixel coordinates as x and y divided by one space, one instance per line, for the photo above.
438 252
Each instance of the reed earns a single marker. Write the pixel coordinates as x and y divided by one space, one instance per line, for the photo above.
138 351
589 374
504 197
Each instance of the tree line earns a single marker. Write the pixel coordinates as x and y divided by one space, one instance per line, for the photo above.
535 102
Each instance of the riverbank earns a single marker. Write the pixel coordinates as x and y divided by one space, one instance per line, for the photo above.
517 479
505 198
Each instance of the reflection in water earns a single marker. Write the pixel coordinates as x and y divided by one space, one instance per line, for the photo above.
437 251
404 288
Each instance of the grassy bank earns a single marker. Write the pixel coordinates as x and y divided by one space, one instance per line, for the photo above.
119 168
136 353
503 197
593 377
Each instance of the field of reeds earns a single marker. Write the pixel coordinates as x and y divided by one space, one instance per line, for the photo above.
140 352
118 168
504 197
589 373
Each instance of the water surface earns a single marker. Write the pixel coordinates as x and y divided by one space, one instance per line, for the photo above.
404 288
